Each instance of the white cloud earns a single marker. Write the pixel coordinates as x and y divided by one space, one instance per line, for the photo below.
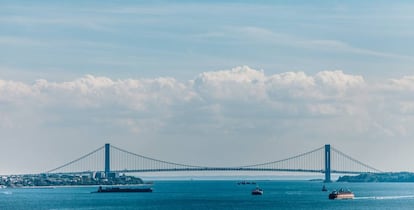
241 87
241 83
239 105
11 91
404 84
216 96
291 85
101 91
338 83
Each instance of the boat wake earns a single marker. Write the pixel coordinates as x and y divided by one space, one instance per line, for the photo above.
386 197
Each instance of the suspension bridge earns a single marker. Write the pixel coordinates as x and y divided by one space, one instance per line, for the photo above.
111 159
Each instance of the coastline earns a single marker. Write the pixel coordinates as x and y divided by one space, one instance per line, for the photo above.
379 177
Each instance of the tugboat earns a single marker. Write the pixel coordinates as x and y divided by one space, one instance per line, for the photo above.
257 191
324 188
123 189
341 194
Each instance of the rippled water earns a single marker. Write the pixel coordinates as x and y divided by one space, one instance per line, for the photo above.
216 195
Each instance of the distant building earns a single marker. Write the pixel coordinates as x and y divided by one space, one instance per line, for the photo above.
112 175
99 175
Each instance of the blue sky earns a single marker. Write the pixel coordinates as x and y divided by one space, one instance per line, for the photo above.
127 39
209 76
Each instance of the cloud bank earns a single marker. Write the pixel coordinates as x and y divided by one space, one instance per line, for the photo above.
217 109
290 94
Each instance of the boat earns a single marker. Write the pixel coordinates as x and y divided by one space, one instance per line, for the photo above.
123 189
341 194
257 191
324 188
245 182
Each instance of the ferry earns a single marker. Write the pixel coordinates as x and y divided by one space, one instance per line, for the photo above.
341 194
123 189
257 191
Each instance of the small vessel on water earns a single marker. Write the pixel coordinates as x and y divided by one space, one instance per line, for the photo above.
245 182
257 191
341 194
324 188
123 189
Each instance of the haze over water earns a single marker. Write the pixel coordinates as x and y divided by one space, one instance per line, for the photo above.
171 195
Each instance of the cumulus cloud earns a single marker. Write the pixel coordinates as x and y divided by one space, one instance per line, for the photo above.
244 81
92 91
242 85
11 91
338 81
287 93
212 97
92 99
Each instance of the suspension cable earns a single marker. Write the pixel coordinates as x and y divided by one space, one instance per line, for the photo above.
76 160
286 159
356 161
156 160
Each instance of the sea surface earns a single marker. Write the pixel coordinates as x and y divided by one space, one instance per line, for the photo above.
216 195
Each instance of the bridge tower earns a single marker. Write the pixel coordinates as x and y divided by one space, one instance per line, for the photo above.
327 163
107 160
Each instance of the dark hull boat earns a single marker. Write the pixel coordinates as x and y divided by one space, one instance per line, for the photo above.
123 189
257 191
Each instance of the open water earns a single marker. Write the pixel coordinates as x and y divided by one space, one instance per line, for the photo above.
216 195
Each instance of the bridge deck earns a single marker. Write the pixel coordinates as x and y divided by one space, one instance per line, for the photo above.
221 169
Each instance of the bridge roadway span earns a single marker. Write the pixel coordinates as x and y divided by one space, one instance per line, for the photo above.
221 169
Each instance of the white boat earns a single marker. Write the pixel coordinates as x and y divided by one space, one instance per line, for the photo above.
341 194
